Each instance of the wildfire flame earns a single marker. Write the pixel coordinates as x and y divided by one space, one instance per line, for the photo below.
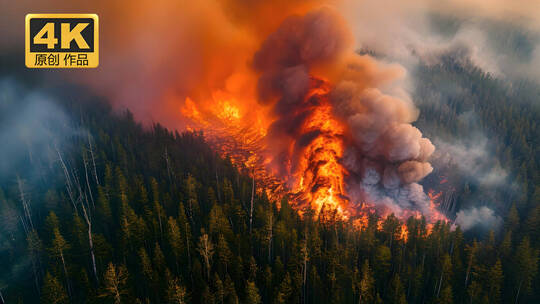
317 181
320 176
293 134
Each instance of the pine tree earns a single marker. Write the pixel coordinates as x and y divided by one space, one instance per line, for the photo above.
285 289
505 248
474 291
471 258
52 291
85 289
252 293
219 289
58 248
175 240
445 273
51 223
230 291
224 253
218 223
391 228
190 188
251 269
396 293
79 231
146 265
206 250
512 219
526 263
104 206
495 282
207 296
366 285
159 258
158 208
185 230
446 296
114 283
35 247
533 222
382 263
176 293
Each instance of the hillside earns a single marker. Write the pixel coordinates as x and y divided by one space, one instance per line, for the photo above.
172 222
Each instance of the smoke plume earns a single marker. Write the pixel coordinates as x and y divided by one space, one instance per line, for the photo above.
366 130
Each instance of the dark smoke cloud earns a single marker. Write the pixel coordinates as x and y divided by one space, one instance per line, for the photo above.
284 61
285 57
385 155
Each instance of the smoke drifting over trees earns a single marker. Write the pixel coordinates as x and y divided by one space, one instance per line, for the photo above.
31 126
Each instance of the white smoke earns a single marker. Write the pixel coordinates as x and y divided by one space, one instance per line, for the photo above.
421 30
32 126
472 159
481 217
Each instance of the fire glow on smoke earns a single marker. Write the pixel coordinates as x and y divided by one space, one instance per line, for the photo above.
326 126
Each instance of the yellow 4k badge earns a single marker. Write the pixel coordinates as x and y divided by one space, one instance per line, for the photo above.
62 41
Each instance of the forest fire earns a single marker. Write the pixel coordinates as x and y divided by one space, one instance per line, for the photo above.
316 180
319 175
319 128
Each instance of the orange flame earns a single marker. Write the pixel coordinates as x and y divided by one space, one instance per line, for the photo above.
319 176
317 180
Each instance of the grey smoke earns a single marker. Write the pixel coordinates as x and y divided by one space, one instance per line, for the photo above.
32 126
386 156
413 31
472 158
478 217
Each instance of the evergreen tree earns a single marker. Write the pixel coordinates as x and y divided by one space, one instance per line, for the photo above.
206 250
495 282
114 283
52 291
146 265
175 240
366 285
446 296
526 263
252 293
58 248
512 219
176 293
396 293
224 254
